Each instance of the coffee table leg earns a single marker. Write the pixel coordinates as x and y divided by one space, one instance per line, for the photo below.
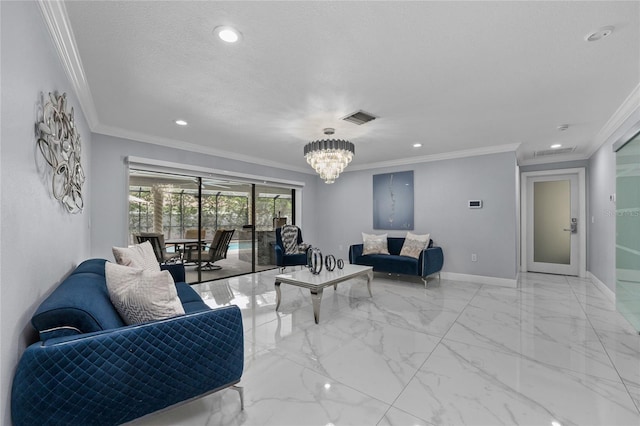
277 295
316 298
369 278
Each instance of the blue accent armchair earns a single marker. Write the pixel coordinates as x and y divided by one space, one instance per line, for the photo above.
283 260
91 368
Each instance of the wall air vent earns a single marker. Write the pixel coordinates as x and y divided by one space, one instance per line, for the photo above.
359 117
550 152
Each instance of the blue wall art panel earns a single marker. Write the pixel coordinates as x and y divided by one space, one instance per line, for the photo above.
393 201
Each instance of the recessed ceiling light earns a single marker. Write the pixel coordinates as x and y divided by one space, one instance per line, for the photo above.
563 127
556 146
600 33
417 145
228 34
181 123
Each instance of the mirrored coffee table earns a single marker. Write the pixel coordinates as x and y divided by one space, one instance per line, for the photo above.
316 283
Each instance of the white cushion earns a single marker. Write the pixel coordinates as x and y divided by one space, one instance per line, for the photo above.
139 256
414 244
374 244
141 296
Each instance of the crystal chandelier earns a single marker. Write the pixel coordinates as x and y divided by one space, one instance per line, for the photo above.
329 157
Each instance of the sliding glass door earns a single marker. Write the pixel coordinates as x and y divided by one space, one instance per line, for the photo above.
628 231
191 213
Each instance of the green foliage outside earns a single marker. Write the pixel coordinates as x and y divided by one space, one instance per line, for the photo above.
180 211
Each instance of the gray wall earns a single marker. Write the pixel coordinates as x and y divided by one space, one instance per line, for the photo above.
601 211
441 192
109 225
40 243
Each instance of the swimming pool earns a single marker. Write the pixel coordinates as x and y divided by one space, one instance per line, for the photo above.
240 245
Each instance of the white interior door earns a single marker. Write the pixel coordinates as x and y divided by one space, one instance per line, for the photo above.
554 223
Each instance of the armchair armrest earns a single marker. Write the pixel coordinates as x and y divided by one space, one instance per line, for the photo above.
279 255
176 270
431 261
113 376
355 251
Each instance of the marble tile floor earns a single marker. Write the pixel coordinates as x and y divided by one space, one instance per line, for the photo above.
552 351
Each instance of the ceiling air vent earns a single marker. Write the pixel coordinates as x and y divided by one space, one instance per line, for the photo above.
359 117
550 152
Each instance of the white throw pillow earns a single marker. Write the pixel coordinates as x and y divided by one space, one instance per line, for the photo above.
374 244
139 256
414 244
141 296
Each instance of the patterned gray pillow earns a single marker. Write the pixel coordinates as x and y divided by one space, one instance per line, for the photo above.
141 296
374 244
414 244
289 236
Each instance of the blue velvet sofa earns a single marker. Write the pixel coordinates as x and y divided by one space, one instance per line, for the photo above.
89 368
430 261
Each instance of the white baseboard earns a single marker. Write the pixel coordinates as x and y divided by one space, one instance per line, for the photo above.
502 282
602 287
628 275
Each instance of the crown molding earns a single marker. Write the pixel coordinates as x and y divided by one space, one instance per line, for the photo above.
630 106
56 19
191 147
498 149
558 159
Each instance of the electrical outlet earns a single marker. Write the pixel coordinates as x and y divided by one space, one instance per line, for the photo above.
474 257
340 247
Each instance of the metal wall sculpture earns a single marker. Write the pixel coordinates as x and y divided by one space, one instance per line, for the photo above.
59 143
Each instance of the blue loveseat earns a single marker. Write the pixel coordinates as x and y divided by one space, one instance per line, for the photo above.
91 368
430 261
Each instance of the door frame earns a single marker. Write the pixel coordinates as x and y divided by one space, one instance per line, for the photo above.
582 215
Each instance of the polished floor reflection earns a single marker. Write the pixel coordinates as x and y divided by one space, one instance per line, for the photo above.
552 351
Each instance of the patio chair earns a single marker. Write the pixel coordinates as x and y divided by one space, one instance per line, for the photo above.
193 234
217 251
157 242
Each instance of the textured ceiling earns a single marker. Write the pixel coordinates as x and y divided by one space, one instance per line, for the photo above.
455 76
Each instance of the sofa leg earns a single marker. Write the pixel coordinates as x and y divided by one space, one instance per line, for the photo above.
424 280
240 391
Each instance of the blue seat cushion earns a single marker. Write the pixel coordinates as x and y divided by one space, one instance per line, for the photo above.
295 259
390 263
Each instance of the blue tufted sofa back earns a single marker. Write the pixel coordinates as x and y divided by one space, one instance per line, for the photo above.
79 305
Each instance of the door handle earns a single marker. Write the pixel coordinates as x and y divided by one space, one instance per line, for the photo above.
573 227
